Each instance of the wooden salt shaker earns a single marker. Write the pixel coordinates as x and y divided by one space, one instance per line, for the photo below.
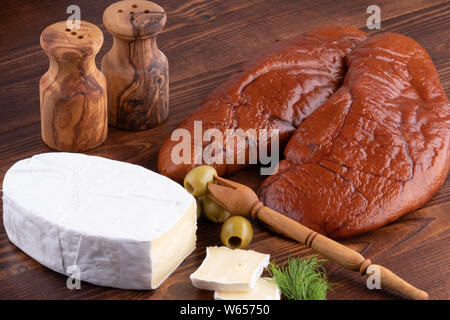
137 72
73 91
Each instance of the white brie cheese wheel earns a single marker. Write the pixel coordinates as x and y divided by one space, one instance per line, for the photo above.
265 289
120 224
228 269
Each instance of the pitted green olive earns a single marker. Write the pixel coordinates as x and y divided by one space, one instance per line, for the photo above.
199 208
237 232
196 180
213 211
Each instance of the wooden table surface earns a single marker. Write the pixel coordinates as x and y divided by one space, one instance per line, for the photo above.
205 41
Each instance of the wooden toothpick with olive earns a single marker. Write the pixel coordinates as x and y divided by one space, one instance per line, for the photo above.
236 232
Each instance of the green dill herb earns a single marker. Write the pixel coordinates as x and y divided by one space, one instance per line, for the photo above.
301 279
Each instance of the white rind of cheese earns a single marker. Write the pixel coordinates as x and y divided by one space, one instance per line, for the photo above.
122 225
265 289
228 269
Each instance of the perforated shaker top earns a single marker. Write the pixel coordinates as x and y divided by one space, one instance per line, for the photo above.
132 19
62 42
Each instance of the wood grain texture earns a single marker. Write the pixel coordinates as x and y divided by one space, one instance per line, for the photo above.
205 41
73 91
137 72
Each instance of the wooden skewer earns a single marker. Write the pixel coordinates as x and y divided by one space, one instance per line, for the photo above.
241 200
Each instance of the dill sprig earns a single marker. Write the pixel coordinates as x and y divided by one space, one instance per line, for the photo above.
301 279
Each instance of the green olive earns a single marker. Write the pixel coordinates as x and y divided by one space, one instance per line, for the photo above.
213 211
237 232
199 208
196 180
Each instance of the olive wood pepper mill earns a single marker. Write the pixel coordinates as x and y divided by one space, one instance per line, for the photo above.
137 72
73 94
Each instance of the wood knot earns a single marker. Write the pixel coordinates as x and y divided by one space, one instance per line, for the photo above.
258 205
310 238
364 266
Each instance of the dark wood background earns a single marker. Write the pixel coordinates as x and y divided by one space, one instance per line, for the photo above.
205 41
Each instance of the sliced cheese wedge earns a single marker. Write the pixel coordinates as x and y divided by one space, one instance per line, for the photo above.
265 289
227 269
122 225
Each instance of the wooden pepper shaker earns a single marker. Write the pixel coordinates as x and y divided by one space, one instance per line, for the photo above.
137 72
73 92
